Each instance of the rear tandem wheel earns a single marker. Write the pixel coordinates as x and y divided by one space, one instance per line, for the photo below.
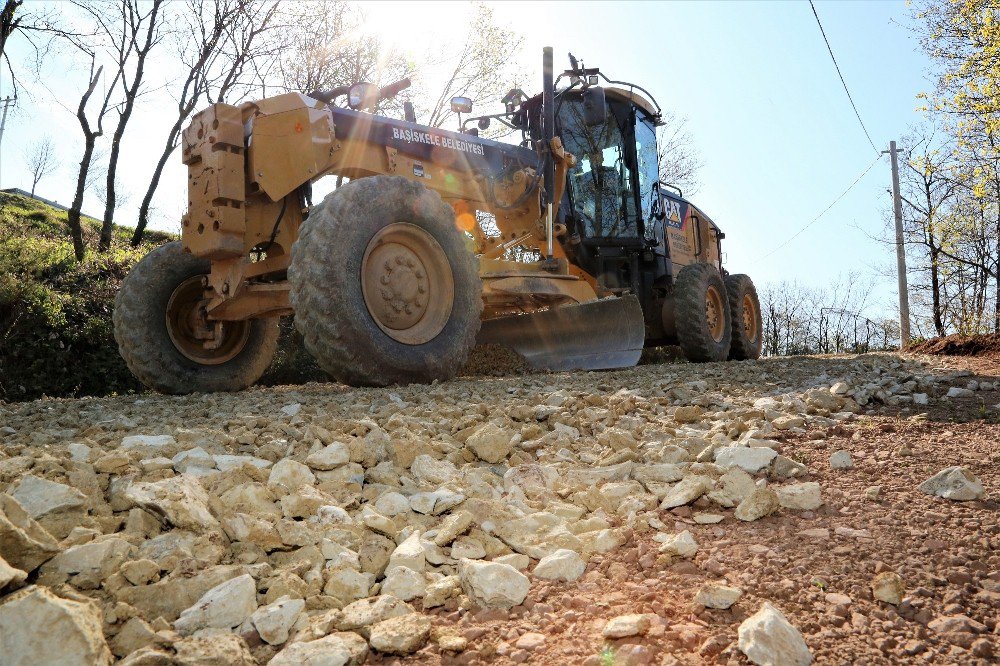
701 313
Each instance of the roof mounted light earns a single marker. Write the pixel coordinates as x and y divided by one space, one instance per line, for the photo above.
362 96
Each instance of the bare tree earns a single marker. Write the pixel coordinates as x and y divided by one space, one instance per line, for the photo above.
9 22
251 51
39 27
928 188
41 160
130 30
675 151
90 135
484 67
328 48
213 46
804 320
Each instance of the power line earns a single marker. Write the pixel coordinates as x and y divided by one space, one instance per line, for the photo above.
851 99
825 210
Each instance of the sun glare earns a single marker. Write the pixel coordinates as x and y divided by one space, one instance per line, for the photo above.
410 27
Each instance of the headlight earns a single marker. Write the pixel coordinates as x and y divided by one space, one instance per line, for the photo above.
362 96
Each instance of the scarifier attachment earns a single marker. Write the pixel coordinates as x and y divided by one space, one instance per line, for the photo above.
598 335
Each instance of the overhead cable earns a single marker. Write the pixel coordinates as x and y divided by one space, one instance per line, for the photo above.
825 210
832 57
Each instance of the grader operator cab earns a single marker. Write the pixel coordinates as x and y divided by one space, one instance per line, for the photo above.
566 248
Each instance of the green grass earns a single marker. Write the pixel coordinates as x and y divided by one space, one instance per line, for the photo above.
56 336
55 313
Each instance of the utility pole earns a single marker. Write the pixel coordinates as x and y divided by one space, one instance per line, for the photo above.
897 209
7 103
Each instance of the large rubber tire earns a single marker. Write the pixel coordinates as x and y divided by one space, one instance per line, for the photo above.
140 325
695 285
329 301
744 307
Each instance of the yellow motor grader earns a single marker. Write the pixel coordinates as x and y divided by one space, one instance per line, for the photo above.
565 247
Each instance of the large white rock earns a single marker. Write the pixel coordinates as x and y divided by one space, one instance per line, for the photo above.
290 474
491 443
400 635
181 501
714 595
659 473
686 491
767 638
92 562
750 459
954 483
564 564
37 627
624 626
841 460
761 502
338 555
274 620
10 576
225 462
404 583
492 584
392 504
803 496
147 444
432 471
440 591
223 607
359 615
41 497
538 534
409 554
732 488
679 545
436 502
192 460
451 527
343 648
329 457
347 585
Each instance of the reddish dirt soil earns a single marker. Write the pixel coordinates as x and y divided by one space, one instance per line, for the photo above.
960 345
948 554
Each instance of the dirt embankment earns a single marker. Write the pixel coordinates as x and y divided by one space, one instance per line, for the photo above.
984 346
644 516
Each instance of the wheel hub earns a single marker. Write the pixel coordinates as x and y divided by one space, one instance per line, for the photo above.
714 315
749 318
407 283
204 342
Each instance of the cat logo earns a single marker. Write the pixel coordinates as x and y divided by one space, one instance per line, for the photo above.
674 218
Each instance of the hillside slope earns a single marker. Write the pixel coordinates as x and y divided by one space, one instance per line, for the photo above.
55 313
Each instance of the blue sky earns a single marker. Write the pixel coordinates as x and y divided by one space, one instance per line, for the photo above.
769 117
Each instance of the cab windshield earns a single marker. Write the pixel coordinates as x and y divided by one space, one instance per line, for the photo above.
601 183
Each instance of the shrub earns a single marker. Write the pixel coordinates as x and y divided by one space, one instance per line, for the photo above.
56 336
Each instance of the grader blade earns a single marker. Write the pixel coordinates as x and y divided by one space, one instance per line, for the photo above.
598 335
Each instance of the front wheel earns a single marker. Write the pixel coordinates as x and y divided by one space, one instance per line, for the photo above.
701 313
383 286
165 339
744 307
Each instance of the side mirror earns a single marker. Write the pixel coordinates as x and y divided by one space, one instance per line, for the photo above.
461 105
484 123
595 110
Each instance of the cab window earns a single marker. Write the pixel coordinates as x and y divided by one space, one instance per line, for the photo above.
601 182
648 162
